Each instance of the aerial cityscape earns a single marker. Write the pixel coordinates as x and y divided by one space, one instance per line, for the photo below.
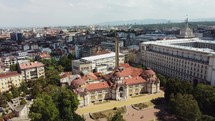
106 60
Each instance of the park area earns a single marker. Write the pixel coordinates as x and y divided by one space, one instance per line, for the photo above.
141 108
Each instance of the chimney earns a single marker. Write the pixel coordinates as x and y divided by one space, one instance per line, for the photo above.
116 51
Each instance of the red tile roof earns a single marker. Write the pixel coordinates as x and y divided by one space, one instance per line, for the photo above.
136 72
9 74
78 81
90 75
45 55
124 72
30 65
126 65
97 86
148 72
65 74
134 80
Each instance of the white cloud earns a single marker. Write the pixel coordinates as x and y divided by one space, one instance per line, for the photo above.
72 12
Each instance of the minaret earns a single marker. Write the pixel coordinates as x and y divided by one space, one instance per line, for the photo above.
116 51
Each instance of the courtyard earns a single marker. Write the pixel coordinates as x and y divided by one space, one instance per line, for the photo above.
131 114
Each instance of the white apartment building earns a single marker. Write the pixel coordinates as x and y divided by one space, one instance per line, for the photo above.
31 70
90 63
8 79
186 59
8 61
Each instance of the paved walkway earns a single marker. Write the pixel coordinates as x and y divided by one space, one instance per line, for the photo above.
110 105
145 115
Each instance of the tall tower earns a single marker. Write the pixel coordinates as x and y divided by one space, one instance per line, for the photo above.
116 51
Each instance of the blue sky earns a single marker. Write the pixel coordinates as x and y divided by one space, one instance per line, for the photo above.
85 12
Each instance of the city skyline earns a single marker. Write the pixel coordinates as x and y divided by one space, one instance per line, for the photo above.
28 13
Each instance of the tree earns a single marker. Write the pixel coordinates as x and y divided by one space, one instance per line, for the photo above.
175 86
117 117
66 63
41 81
67 105
15 91
8 96
205 96
14 67
66 102
185 107
52 77
3 100
60 68
207 118
36 90
43 109
71 56
162 79
23 87
23 102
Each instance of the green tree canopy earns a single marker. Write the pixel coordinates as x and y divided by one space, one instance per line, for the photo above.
66 63
14 67
185 107
162 79
66 102
36 90
205 95
175 86
15 91
43 109
8 96
3 100
23 87
117 117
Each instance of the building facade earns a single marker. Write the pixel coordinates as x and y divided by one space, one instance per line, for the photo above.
186 59
124 82
92 62
8 79
31 70
8 61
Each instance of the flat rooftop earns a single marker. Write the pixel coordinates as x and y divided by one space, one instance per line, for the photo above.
103 56
175 44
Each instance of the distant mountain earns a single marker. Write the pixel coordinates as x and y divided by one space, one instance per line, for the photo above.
153 21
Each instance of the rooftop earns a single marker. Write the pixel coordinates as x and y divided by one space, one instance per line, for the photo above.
175 43
97 86
97 57
9 74
134 80
30 65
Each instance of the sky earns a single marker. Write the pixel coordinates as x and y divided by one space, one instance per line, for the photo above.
18 13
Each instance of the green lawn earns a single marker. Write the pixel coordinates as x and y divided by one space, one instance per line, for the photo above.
108 113
144 105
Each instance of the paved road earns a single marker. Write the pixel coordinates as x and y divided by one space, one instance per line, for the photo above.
110 105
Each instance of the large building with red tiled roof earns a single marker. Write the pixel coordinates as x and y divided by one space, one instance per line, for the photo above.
125 81
31 70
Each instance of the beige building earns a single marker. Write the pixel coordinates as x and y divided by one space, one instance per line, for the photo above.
8 79
31 70
8 61
96 63
186 59
125 81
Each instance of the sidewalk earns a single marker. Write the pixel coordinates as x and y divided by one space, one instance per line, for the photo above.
106 106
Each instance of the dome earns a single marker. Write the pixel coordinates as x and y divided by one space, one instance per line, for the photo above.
117 74
148 72
78 81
